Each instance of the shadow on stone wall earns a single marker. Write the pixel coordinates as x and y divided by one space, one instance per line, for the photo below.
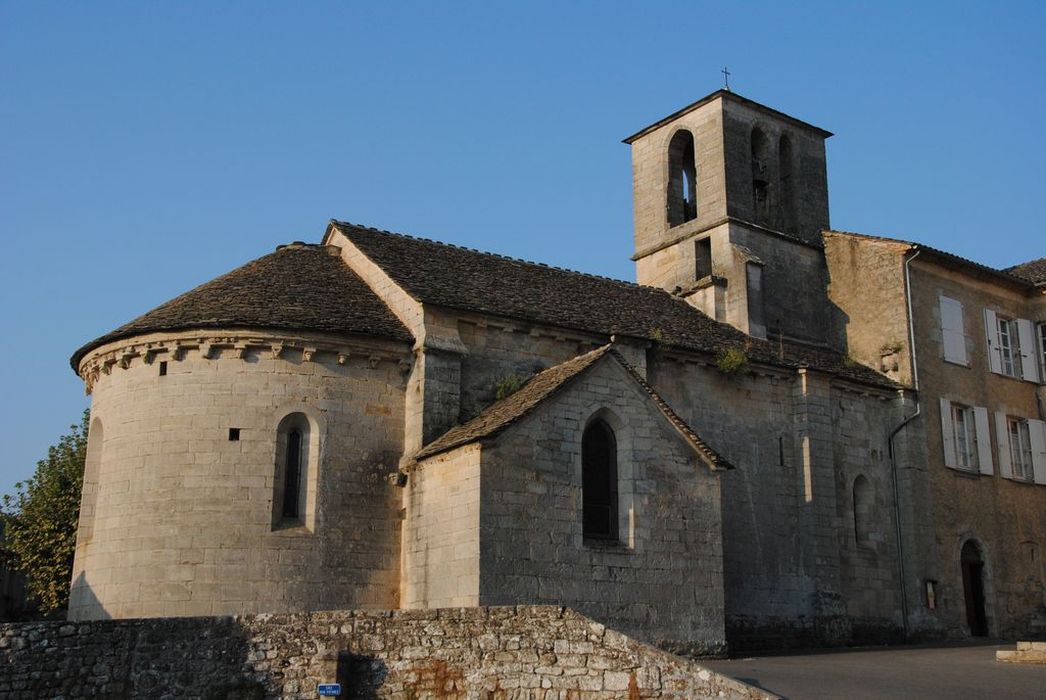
361 676
83 603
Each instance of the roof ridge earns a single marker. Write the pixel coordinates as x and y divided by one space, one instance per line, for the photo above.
501 256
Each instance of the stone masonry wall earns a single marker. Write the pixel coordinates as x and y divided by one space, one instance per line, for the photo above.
539 653
792 570
1005 517
441 531
662 580
182 517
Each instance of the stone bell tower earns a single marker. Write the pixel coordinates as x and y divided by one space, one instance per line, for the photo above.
730 198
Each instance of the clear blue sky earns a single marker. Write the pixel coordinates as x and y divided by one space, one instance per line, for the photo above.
146 147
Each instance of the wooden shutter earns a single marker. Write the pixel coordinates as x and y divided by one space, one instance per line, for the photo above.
1037 432
991 329
948 434
984 441
1002 436
953 335
1029 363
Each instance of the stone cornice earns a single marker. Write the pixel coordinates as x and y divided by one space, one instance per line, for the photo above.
236 344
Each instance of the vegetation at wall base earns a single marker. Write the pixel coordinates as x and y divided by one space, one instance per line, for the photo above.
40 521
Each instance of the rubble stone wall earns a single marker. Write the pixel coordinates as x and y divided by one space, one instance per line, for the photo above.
512 652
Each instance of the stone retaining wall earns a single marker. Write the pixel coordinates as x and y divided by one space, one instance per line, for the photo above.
540 652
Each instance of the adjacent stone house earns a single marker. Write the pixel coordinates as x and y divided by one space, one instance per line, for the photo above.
970 339
709 457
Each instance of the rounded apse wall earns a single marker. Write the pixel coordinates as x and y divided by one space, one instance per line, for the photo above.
186 508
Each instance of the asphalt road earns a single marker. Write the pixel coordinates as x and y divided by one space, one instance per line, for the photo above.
947 673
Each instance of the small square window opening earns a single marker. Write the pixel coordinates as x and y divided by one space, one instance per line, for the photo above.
234 434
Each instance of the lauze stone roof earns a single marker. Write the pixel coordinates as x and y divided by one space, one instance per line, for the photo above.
504 413
297 288
465 279
1033 271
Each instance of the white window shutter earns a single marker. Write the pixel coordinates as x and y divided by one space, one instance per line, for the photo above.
953 333
1002 436
991 329
1037 432
984 441
1029 363
948 434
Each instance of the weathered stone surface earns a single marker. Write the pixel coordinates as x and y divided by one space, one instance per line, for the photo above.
461 653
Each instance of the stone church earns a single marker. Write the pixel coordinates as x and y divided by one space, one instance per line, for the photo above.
734 451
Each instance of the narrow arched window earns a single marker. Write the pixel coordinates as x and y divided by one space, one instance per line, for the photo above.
599 482
292 476
294 480
788 184
681 202
760 176
863 498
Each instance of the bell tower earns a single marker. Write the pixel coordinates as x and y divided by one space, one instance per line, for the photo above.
730 198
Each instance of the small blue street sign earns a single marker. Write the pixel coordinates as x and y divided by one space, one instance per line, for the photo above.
329 689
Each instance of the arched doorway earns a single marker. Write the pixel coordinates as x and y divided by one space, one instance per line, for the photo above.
973 588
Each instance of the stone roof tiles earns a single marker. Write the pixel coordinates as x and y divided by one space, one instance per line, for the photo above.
297 288
470 280
1033 271
509 410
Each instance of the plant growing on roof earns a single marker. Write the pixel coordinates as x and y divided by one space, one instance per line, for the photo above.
732 361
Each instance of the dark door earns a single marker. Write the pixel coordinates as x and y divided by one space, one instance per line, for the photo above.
973 589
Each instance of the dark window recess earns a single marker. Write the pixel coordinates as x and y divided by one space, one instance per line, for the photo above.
599 482
163 368
234 434
703 258
681 204
781 451
761 177
292 475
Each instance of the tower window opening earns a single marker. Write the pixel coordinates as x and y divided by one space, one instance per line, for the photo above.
163 368
761 195
682 179
703 258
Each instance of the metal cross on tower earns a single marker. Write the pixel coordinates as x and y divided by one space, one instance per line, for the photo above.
726 78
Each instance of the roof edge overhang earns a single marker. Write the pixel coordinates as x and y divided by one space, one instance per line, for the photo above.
730 95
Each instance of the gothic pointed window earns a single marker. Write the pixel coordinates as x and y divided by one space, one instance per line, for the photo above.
682 179
599 482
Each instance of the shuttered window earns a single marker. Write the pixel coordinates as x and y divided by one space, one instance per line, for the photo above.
964 432
953 336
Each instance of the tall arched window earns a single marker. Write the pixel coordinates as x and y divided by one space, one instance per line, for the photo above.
682 179
760 176
864 508
292 475
599 482
788 184
294 479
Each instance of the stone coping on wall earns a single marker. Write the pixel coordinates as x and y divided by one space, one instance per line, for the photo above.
524 652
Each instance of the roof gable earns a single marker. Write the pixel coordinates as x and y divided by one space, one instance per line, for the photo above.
507 412
470 280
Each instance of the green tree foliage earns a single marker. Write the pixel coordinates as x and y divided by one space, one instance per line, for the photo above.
41 517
